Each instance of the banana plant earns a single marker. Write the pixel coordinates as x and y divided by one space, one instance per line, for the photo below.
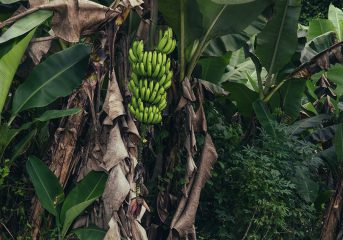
66 208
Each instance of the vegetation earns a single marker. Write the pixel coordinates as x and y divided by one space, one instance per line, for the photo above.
143 120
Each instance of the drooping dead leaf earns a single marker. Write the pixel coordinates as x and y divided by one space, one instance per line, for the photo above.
116 151
188 94
183 221
113 104
35 3
116 190
38 49
114 232
71 18
213 88
321 61
138 232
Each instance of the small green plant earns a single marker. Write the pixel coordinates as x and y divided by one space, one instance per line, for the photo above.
65 209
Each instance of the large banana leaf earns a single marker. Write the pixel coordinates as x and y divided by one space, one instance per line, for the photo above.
47 187
278 40
336 17
86 192
90 233
55 77
216 20
318 27
9 63
25 24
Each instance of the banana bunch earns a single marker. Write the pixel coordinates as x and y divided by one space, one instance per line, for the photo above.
151 77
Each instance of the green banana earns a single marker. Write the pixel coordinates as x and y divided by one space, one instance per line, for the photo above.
172 47
139 51
145 83
163 70
153 96
140 116
168 65
164 59
154 59
145 58
132 110
155 118
143 90
136 92
157 86
147 95
141 107
170 32
149 57
134 102
142 69
159 58
134 78
168 45
134 47
157 70
157 99
145 117
151 85
149 69
162 104
161 90
132 57
151 116
167 84
162 43
163 79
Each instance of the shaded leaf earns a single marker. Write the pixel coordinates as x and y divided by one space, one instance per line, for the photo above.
324 134
55 77
81 196
23 144
338 142
90 233
243 96
232 1
292 93
313 122
264 117
47 187
306 187
25 25
9 63
212 68
278 40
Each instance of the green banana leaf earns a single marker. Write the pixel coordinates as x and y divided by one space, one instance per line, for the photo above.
336 17
56 77
265 118
25 25
232 1
47 187
278 41
9 1
90 233
80 197
318 27
9 63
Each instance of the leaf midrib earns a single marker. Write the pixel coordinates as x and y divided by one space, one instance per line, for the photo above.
44 84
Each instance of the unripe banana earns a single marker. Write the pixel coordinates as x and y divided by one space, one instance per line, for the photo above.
170 32
168 65
168 45
159 58
167 84
140 116
141 107
136 92
142 69
162 43
151 85
143 90
150 57
140 48
161 90
162 104
159 118
132 110
151 116
147 95
154 59
132 57
134 47
149 70
169 75
145 58
153 96
145 83
134 102
173 47
157 86
155 118
134 78
157 99
137 114
145 117
160 35
163 79
157 70
137 69
164 58
163 70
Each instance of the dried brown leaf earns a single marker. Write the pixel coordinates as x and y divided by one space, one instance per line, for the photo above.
116 150
114 232
116 190
113 104
38 49
183 220
214 89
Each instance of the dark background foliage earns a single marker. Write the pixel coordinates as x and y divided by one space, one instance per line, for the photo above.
316 9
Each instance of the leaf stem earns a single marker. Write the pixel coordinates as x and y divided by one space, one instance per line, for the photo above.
203 44
267 98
